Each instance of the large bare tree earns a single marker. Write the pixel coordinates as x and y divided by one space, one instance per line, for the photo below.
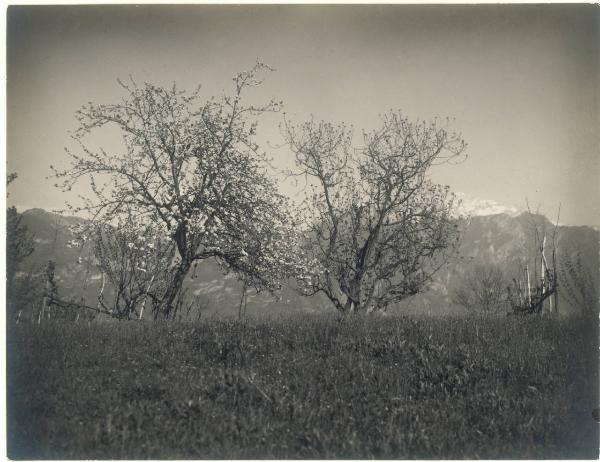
190 167
377 228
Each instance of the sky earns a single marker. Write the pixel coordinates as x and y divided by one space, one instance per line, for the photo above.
520 81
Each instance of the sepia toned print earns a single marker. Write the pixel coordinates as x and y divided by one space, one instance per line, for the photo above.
302 232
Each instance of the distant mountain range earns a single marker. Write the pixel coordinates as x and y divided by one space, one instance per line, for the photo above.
501 239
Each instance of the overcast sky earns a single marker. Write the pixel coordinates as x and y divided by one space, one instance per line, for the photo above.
521 82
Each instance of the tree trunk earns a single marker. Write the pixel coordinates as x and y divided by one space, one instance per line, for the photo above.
243 301
349 306
167 303
353 298
555 293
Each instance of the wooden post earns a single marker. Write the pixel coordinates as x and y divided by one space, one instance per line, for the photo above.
528 285
544 272
555 261
555 285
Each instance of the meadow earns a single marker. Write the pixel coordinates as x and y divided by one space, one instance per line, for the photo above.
305 386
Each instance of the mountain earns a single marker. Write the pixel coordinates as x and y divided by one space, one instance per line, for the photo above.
508 242
213 290
501 239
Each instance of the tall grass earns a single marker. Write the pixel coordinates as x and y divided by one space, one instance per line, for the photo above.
305 387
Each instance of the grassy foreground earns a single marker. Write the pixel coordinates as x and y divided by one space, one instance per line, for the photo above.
305 387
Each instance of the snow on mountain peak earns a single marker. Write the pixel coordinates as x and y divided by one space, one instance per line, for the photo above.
474 206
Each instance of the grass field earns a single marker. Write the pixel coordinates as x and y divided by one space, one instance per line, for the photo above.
305 387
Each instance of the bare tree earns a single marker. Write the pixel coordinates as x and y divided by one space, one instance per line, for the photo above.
483 287
192 168
535 289
377 228
136 262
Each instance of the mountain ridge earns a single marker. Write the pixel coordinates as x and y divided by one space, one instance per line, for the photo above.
498 239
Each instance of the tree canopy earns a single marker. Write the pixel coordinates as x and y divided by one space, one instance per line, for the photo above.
193 169
377 228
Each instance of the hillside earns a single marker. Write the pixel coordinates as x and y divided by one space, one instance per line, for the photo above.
498 239
213 291
506 241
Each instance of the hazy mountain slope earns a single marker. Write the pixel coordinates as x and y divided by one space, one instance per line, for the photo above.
507 242
207 284
499 239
